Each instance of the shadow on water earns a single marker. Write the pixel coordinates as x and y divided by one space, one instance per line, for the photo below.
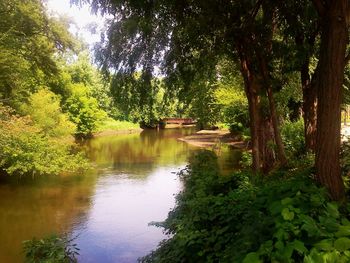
133 182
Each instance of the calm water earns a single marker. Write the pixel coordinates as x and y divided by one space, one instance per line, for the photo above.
108 210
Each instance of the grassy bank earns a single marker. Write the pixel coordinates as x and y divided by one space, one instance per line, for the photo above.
111 126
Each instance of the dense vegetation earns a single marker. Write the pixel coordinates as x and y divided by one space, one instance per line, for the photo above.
274 72
288 54
244 218
282 66
51 94
51 249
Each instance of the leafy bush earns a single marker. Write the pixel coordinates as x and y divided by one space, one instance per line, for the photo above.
285 218
84 110
52 249
293 138
237 116
25 148
45 111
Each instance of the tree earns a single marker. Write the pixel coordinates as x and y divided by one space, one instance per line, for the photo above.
301 28
29 40
334 16
187 40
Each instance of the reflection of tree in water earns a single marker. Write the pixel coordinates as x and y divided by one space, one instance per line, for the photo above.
139 153
229 158
39 207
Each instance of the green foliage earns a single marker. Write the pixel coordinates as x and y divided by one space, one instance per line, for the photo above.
142 100
111 124
345 158
204 106
293 137
27 149
237 116
83 110
52 249
285 218
246 160
45 111
29 41
231 98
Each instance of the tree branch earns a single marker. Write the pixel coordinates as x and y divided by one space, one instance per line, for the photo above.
251 16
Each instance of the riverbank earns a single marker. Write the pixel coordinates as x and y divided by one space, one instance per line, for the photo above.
116 132
114 127
211 138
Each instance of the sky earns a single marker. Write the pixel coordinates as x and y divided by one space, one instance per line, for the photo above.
82 17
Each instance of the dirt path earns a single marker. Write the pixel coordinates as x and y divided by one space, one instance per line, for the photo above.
209 138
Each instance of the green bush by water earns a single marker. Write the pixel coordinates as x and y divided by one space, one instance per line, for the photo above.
26 148
240 218
52 249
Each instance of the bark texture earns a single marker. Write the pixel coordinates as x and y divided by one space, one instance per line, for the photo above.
334 39
261 128
309 88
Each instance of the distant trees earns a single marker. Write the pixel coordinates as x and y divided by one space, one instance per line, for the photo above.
41 92
29 42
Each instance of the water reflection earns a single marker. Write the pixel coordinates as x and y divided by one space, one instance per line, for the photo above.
139 154
39 207
133 183
137 184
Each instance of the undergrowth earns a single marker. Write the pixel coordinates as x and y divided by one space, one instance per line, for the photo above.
52 249
243 218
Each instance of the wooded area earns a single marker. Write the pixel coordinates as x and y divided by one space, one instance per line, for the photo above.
274 72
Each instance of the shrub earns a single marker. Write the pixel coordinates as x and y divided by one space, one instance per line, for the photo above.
52 249
45 111
284 218
25 148
293 138
84 110
237 116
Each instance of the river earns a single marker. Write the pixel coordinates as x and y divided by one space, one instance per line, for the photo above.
107 210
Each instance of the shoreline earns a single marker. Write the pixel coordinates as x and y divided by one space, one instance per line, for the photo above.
116 132
213 138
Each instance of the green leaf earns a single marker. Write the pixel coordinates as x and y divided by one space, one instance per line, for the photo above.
287 214
298 246
342 244
314 257
325 244
343 231
252 257
345 221
276 208
287 201
332 209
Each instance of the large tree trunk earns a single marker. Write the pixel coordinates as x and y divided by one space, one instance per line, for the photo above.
254 108
263 53
266 138
334 39
272 107
260 126
309 88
